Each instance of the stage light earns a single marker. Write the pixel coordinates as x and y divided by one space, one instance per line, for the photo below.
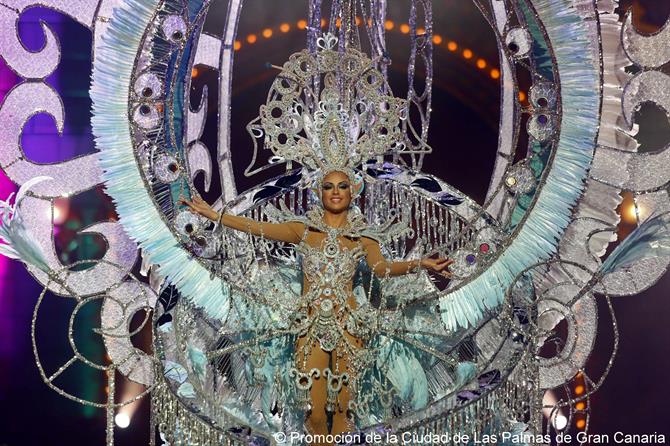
481 64
467 53
580 424
338 22
251 38
237 45
580 406
579 389
195 73
522 96
635 212
122 420
389 25
452 46
323 23
267 33
61 211
560 422
404 28
358 21
302 24
437 39
420 31
495 73
284 27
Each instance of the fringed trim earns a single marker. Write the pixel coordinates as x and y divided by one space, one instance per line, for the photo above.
111 127
539 237
181 427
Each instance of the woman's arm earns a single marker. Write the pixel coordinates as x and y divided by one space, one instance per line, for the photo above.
382 267
289 232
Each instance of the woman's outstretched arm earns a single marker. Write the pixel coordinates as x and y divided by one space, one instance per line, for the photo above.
382 267
290 232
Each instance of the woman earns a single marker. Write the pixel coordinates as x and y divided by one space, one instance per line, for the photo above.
331 344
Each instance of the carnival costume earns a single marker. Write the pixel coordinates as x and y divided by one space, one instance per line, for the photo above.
236 313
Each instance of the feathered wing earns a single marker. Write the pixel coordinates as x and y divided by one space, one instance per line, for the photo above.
18 242
650 239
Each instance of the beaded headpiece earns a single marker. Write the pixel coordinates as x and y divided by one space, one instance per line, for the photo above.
329 111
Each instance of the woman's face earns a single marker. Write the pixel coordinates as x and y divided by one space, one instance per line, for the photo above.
336 192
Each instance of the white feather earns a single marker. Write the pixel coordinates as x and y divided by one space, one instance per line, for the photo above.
19 242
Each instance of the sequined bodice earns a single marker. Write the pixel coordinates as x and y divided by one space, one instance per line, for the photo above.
331 265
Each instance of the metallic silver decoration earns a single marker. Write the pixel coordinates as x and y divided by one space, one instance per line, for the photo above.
542 126
122 303
192 395
166 168
199 160
146 116
174 28
518 42
647 86
646 51
520 179
148 86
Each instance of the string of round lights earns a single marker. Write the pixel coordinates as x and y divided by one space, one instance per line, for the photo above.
438 40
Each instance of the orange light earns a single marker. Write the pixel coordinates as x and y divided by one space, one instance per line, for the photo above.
579 389
580 406
420 31
481 64
284 27
237 45
338 22
452 46
251 38
358 21
369 22
495 73
267 33
404 28
580 424
389 25
437 39
194 72
467 54
522 97
302 24
323 23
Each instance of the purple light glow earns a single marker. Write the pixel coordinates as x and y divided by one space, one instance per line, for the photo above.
7 345
40 130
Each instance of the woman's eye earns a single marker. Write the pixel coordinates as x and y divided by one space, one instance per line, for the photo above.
327 186
344 186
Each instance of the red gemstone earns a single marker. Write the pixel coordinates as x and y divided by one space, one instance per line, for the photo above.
484 247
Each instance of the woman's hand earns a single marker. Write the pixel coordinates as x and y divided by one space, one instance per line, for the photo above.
437 265
200 206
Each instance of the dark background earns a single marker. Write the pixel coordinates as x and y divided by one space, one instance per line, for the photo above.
463 134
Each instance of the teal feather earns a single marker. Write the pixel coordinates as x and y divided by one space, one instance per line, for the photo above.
18 241
650 239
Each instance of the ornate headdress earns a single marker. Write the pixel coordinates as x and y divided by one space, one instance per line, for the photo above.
329 111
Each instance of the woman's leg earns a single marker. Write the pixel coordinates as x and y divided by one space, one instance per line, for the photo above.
317 419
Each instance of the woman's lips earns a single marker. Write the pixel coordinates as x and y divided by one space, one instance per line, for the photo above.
335 200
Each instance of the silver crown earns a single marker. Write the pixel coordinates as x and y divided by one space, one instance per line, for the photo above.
329 111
